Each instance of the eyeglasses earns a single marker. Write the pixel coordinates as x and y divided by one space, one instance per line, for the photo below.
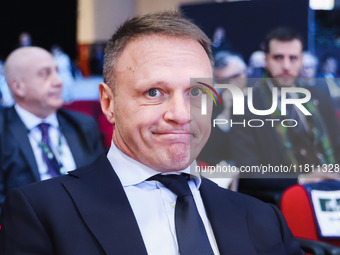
229 79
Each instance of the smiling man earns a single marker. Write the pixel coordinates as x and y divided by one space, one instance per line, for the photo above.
28 153
140 198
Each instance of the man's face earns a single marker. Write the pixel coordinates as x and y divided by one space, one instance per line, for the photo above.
309 67
233 73
151 103
284 61
41 85
330 66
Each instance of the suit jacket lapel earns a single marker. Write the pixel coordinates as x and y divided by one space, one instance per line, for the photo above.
228 219
72 139
18 129
105 209
261 103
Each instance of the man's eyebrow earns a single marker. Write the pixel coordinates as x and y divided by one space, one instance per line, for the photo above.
45 68
48 67
151 83
146 84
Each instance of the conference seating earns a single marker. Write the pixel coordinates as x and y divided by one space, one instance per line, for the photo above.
299 214
93 108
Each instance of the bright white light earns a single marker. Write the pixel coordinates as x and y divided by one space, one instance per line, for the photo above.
321 4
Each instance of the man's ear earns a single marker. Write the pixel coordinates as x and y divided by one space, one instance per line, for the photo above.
17 88
266 59
107 101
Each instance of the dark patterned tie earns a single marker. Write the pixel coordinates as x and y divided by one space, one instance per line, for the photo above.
53 166
191 235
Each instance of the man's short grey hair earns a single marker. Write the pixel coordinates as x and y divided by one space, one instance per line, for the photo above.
164 23
223 58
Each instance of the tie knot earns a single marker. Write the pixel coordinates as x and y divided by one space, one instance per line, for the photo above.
178 184
44 127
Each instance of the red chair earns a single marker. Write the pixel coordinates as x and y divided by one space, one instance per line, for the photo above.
89 107
338 115
107 129
93 108
298 213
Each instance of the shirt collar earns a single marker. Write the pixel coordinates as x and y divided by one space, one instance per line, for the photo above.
31 121
271 86
132 172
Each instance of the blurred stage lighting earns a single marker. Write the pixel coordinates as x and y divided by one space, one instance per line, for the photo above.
321 4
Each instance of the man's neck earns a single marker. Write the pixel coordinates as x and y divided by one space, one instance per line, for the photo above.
39 114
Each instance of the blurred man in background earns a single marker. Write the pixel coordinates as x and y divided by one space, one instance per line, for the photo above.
38 139
328 74
315 140
229 68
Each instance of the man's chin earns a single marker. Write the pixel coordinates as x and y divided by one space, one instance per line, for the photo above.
175 157
174 164
56 103
285 82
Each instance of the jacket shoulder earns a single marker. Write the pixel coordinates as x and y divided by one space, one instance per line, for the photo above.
74 116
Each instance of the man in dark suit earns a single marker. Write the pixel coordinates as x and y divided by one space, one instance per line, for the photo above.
73 138
314 141
137 199
228 68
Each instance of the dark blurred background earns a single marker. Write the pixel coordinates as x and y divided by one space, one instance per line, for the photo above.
48 22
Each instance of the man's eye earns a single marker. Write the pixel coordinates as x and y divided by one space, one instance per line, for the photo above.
278 58
195 92
153 92
44 73
293 58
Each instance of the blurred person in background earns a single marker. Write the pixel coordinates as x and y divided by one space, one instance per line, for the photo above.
328 67
25 39
256 64
328 73
309 69
64 65
6 97
229 68
39 140
309 77
219 40
315 140
97 59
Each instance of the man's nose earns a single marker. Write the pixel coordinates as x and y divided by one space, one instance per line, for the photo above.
57 81
286 63
178 109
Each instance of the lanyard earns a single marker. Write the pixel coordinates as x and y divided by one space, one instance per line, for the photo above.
48 152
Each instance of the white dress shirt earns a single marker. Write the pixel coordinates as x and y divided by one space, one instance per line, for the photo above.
58 142
154 205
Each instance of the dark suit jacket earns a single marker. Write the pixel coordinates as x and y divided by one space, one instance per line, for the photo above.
87 212
18 166
255 146
217 147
